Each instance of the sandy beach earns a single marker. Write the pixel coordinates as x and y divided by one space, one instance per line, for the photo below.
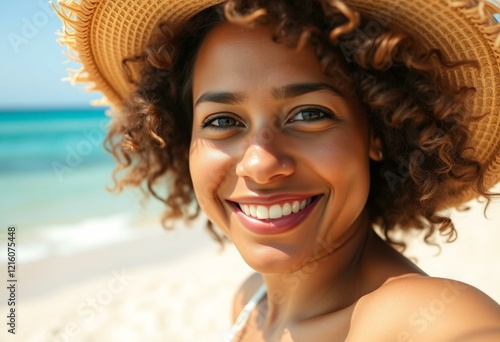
178 285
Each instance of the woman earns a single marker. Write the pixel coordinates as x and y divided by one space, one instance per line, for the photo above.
299 128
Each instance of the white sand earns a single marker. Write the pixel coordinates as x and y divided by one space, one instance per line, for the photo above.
177 286
183 300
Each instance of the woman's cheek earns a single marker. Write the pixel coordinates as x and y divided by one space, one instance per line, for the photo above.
211 174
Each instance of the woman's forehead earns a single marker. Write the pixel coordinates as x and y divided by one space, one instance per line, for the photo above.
235 56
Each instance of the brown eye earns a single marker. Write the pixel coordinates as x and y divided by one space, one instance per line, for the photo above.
309 114
221 122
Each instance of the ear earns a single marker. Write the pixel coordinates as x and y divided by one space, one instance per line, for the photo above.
376 148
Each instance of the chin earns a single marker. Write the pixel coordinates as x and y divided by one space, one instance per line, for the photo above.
273 259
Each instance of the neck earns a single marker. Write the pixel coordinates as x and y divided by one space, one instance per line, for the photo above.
323 285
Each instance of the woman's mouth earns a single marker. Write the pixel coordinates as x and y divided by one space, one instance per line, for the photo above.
274 218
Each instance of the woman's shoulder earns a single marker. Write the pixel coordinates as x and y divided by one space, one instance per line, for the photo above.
421 308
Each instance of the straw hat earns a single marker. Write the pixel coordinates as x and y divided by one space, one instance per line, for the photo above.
100 33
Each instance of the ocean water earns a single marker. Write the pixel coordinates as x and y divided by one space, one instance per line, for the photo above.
31 141
53 178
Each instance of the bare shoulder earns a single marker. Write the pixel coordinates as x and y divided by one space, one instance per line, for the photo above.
420 308
244 293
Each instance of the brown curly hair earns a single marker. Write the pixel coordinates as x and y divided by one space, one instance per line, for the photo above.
423 126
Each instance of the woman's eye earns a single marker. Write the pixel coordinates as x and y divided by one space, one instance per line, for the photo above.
311 114
221 122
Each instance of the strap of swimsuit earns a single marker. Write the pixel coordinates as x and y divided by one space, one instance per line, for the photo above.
242 319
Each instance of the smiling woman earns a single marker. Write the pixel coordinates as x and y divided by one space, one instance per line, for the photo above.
314 167
302 129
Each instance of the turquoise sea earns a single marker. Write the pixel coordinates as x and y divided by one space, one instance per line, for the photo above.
53 178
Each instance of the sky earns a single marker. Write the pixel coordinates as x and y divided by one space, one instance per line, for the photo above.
31 61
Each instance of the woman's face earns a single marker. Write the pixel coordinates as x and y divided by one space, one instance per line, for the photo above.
279 153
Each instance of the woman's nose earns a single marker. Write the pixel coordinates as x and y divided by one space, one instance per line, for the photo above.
264 163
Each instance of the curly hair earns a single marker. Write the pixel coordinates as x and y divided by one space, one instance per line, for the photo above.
423 126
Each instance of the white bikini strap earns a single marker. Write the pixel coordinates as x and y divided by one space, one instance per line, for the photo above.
242 319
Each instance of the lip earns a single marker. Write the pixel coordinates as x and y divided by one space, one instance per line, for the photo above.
274 226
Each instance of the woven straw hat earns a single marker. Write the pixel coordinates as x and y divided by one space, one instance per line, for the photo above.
100 33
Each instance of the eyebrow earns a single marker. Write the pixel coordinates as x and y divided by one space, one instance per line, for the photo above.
298 89
285 92
220 97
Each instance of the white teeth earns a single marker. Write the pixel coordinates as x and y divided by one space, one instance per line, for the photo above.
275 211
287 209
302 205
245 209
262 212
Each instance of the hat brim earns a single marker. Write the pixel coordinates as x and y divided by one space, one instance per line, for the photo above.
103 32
461 33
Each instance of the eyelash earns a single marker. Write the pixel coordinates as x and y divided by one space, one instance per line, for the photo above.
324 114
208 122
